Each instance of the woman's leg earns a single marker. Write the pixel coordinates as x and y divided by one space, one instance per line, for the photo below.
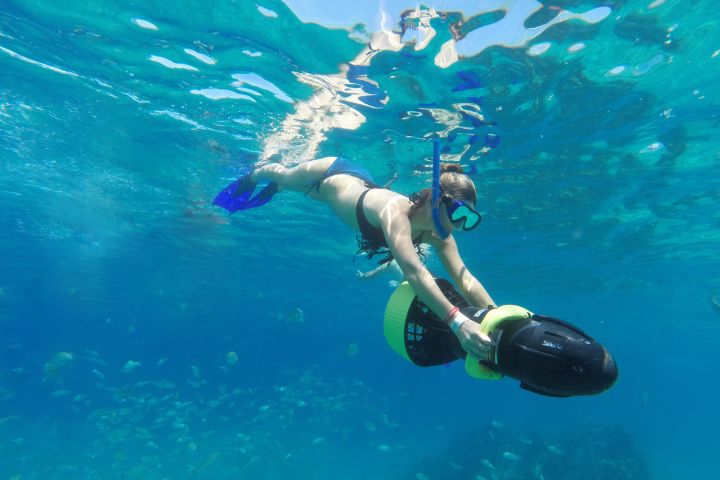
296 178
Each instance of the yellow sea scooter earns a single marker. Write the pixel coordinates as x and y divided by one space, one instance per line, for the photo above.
549 357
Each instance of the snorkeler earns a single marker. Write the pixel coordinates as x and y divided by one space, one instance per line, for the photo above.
390 224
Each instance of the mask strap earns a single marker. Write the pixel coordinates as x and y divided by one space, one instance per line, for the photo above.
436 192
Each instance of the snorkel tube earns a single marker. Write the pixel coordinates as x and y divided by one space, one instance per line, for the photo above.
548 356
442 233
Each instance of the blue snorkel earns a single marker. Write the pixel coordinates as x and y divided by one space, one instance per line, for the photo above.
436 192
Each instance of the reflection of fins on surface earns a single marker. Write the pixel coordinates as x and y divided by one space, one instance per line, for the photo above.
238 195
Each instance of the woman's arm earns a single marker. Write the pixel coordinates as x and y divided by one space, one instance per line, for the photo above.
470 288
398 233
374 272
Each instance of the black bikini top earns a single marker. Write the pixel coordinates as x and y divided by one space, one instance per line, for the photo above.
371 240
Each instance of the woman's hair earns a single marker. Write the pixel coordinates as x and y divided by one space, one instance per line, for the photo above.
453 183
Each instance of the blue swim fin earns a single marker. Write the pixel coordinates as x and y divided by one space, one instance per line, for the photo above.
263 196
237 195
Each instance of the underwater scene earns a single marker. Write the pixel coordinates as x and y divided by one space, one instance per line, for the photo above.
148 333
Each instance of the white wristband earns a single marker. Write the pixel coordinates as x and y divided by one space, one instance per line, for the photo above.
457 322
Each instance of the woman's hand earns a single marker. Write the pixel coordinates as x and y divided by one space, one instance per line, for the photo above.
473 340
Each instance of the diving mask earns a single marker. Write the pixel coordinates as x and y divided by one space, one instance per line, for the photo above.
462 215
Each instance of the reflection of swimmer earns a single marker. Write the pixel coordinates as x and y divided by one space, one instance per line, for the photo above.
390 224
715 303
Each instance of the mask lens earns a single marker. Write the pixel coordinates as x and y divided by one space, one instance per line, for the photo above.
462 216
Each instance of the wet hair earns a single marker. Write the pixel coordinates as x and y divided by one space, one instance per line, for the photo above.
453 183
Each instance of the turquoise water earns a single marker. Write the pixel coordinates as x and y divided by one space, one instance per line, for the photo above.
145 334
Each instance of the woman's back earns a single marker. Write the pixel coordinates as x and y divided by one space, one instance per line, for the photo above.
342 193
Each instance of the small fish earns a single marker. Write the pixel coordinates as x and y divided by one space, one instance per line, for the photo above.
197 373
352 350
95 360
487 463
52 370
6 394
231 358
296 315
98 374
496 424
510 456
421 476
555 449
161 362
456 466
130 366
4 420
715 302
318 440
63 359
94 357
384 448
179 425
264 408
208 461
60 393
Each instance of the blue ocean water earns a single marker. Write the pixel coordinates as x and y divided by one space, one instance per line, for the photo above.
145 334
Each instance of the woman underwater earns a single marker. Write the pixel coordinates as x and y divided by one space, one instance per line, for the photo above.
388 220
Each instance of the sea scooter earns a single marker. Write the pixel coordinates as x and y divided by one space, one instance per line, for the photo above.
548 356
